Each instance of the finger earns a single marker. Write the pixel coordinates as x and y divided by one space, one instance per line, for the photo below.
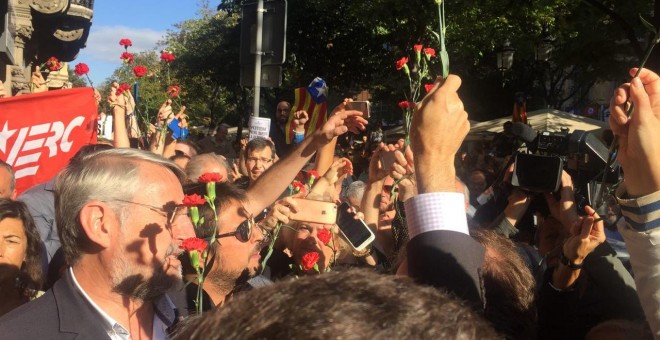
400 159
617 105
182 110
451 84
641 100
585 228
167 102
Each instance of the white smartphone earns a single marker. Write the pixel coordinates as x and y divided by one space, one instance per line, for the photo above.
356 232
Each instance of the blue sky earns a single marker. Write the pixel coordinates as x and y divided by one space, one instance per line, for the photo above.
145 22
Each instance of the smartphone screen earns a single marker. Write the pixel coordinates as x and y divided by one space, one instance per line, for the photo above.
356 231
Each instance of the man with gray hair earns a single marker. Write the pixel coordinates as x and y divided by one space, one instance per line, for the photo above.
206 163
7 181
354 194
120 221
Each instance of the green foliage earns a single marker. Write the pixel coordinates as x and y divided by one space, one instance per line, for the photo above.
353 46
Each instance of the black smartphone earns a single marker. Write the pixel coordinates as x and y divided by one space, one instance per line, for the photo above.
357 232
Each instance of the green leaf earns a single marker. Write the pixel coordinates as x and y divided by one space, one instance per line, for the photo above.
648 25
444 58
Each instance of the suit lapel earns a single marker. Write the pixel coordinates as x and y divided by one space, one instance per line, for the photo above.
75 314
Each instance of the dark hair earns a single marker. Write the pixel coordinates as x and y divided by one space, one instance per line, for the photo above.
259 144
30 276
350 304
509 287
225 193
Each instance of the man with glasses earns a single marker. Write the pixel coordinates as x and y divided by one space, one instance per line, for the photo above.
260 155
120 222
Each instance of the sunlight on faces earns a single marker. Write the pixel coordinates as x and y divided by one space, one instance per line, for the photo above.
305 239
13 247
236 259
258 161
144 264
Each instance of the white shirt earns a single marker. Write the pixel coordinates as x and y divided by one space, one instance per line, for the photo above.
114 329
436 211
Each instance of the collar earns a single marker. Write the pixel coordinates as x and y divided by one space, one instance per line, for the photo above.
165 312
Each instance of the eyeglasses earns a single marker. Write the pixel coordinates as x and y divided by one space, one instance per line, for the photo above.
243 232
262 160
170 210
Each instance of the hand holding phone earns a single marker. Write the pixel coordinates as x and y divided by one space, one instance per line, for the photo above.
314 211
356 232
362 106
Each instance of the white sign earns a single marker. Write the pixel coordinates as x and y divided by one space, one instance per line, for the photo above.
259 127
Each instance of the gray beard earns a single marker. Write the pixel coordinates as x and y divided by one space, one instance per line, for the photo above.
134 286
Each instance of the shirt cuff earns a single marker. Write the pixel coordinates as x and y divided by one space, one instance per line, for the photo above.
436 211
642 213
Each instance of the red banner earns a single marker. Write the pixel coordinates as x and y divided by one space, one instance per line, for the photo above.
40 132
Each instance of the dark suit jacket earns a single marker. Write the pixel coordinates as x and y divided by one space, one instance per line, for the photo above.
448 260
61 313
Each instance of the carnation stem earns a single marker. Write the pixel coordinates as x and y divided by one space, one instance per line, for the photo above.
276 233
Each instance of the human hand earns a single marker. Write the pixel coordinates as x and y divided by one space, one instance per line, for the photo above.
639 141
338 169
300 118
340 122
564 210
165 112
38 81
586 235
438 128
403 172
376 171
97 96
280 212
243 142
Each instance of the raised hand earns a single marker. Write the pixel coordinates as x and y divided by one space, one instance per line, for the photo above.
38 81
639 140
280 212
438 128
165 112
341 122
403 171
564 210
586 235
300 118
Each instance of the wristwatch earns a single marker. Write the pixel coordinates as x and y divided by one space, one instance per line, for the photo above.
566 262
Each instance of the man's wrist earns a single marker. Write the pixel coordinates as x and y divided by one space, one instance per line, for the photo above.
435 174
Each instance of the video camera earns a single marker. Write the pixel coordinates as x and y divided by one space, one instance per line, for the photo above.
580 153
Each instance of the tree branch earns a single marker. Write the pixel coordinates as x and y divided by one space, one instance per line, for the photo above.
625 26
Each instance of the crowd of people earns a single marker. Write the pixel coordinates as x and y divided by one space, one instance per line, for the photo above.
97 252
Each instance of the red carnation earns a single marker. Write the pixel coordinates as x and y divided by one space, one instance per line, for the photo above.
210 177
167 57
404 104
123 88
297 186
194 243
309 260
312 174
428 87
53 64
127 57
139 71
193 200
429 52
324 236
81 69
173 91
125 42
417 48
401 63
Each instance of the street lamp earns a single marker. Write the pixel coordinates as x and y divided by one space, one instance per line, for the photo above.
505 56
544 47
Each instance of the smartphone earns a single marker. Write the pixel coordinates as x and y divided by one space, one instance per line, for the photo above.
356 232
315 211
362 106
387 159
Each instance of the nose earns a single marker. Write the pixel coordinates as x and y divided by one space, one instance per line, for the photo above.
257 235
182 228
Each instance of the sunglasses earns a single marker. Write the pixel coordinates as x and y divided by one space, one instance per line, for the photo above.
243 232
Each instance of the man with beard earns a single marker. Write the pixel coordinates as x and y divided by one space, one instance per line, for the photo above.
278 128
119 222
235 254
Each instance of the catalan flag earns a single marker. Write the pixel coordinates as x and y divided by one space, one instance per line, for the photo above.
312 99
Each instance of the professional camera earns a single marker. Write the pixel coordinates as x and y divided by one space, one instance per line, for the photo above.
580 153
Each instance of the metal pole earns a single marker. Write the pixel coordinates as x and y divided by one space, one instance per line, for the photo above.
257 59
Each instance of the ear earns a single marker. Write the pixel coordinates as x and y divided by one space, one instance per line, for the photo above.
14 194
98 221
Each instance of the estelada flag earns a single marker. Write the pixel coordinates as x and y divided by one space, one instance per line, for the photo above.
40 132
313 99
